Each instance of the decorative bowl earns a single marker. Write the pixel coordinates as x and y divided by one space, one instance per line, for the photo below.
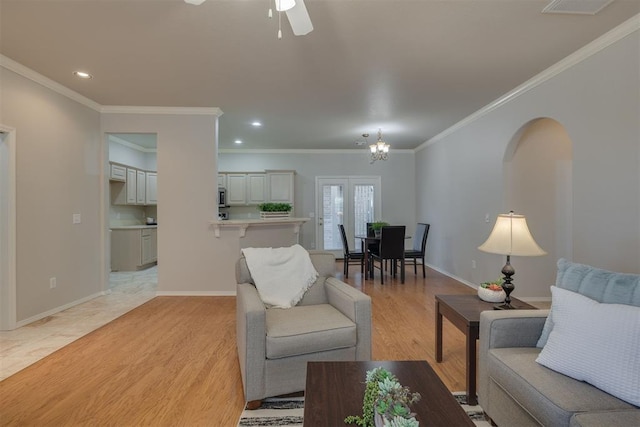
491 296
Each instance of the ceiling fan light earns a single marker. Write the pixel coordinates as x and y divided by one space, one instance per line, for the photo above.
284 5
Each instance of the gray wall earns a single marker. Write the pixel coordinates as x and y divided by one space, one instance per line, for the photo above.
58 167
397 177
463 174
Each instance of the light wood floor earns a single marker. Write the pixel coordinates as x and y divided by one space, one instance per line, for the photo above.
173 362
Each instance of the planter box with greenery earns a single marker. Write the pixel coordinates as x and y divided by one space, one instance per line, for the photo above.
274 210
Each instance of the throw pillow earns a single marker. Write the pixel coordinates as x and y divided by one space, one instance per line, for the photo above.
596 343
595 283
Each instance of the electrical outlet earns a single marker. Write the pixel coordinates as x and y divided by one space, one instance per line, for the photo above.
473 263
52 283
77 219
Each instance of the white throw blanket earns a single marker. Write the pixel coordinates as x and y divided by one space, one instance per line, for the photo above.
281 275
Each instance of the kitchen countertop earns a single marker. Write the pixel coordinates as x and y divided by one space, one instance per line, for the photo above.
132 227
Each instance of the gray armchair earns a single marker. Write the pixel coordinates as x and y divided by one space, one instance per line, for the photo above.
331 322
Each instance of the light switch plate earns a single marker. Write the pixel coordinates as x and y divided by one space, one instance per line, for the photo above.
77 219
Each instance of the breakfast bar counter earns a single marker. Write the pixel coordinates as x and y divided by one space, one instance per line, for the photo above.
243 224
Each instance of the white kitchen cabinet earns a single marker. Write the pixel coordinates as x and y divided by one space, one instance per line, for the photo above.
132 186
246 189
256 188
118 173
152 188
149 246
280 186
236 189
138 188
222 180
141 187
133 248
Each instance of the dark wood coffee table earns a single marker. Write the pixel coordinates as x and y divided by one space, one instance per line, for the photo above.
464 312
334 390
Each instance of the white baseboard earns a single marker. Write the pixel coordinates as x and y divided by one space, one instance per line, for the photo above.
58 309
196 293
446 273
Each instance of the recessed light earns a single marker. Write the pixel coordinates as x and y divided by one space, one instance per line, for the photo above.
82 74
256 124
237 141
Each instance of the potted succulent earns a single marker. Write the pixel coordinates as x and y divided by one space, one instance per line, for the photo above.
377 226
492 291
274 210
386 402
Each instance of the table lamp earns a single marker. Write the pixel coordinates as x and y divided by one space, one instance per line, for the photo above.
510 236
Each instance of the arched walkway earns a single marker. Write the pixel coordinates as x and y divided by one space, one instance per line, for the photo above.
538 184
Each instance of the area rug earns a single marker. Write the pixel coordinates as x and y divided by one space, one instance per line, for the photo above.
288 412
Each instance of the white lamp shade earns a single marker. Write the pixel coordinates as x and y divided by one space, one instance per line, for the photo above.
284 5
511 236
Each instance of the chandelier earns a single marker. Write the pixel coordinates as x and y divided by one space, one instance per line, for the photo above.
379 150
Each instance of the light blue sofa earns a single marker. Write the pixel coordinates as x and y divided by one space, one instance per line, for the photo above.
515 390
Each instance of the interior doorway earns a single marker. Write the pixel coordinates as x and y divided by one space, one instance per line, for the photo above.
349 200
132 202
7 228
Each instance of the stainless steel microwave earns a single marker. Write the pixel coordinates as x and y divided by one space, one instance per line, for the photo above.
222 197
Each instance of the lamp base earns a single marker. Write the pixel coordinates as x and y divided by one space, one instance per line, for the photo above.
505 306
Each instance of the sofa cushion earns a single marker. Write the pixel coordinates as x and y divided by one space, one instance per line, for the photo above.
550 397
595 283
307 329
597 343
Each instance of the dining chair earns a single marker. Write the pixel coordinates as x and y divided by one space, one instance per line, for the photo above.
371 247
350 257
419 247
391 248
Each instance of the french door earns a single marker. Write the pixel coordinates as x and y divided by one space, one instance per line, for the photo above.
349 200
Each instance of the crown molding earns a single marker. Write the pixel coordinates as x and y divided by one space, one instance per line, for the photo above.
28 73
621 31
191 111
305 151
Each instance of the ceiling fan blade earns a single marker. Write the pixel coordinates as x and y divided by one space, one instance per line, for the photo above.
299 19
196 2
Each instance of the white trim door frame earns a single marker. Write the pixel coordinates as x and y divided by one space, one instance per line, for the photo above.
7 228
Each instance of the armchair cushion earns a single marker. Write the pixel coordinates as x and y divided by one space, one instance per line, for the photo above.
307 329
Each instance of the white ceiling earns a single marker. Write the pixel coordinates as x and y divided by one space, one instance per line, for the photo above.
412 68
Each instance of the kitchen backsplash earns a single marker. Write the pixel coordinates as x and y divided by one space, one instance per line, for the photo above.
131 215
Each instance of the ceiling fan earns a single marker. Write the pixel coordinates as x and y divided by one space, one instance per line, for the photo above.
296 13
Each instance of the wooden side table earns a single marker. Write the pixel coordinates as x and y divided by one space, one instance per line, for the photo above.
464 312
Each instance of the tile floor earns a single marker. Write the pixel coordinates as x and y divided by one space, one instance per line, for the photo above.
26 345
